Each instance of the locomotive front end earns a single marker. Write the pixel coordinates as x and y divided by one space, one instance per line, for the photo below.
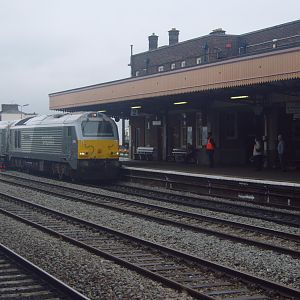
98 148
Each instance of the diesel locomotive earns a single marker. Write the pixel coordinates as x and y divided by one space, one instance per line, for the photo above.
77 145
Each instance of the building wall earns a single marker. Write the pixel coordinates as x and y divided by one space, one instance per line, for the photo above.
137 130
147 131
208 49
14 116
274 37
10 117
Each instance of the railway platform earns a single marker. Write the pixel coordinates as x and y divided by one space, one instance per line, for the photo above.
268 187
242 172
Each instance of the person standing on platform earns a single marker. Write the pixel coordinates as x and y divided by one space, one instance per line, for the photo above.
281 152
210 149
191 153
258 154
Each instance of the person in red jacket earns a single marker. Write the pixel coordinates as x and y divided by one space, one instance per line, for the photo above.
210 149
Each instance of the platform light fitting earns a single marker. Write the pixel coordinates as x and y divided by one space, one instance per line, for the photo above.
180 103
102 111
239 97
136 107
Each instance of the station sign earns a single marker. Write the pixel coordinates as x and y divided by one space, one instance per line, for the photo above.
156 123
134 112
292 108
296 116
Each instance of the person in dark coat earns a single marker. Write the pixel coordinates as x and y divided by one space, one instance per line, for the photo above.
191 153
281 152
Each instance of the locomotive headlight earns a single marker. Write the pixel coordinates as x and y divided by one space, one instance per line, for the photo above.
82 153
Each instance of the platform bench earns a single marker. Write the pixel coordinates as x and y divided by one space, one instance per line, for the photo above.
179 154
144 153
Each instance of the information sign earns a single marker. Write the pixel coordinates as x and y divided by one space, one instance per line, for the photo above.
293 108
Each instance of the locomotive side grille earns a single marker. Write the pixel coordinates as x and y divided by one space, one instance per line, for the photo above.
42 140
1 142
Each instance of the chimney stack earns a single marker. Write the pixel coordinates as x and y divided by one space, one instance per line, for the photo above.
218 31
153 41
173 36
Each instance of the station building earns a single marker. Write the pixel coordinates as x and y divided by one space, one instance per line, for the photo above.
234 86
11 112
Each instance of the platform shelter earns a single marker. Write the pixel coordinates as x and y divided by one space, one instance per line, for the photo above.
235 98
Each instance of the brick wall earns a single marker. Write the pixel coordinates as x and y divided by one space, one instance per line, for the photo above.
209 48
215 47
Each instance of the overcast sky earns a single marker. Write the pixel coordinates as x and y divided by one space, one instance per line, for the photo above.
53 45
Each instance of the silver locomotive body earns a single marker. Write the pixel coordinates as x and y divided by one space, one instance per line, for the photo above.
62 145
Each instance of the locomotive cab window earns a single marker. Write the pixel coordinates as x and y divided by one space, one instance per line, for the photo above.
97 128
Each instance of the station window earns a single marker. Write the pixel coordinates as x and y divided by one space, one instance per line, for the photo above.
173 66
183 64
198 60
160 68
230 125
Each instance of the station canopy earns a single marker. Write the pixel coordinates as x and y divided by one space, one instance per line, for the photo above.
256 75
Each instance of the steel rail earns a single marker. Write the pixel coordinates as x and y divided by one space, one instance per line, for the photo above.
174 255
115 203
41 283
206 203
292 219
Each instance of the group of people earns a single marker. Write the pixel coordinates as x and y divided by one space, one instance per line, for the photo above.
258 153
210 149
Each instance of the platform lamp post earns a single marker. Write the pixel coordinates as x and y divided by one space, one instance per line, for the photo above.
23 105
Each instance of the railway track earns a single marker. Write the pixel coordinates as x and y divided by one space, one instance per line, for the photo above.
20 279
200 278
268 214
278 241
291 218
266 193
